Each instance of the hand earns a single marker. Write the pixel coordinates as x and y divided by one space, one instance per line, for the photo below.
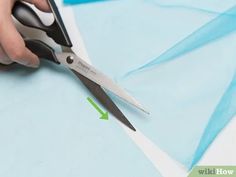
12 46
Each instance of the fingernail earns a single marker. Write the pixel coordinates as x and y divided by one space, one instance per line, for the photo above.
35 64
23 62
32 63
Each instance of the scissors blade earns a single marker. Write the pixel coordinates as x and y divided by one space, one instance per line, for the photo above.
75 63
104 99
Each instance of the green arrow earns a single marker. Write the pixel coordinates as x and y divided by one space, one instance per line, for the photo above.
104 115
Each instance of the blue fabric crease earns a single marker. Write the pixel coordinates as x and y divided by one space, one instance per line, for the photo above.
222 25
223 113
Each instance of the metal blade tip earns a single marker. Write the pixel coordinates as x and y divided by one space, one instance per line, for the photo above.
129 125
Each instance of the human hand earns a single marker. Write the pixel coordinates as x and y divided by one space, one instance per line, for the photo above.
12 45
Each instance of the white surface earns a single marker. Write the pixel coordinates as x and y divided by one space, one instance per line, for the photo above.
221 152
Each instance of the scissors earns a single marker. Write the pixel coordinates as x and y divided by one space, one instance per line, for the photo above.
94 80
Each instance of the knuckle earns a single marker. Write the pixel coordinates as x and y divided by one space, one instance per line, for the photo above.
35 1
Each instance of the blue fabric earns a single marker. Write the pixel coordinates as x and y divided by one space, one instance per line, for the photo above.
47 128
81 1
177 57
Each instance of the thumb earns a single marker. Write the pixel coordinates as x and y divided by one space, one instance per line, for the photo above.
14 46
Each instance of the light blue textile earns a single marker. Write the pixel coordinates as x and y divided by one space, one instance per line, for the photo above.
81 1
47 129
177 57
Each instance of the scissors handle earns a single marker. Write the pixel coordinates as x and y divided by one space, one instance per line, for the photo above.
28 17
41 49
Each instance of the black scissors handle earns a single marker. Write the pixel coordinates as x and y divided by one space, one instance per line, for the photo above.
41 49
57 31
28 17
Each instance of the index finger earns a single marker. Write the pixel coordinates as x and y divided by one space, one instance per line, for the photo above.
40 4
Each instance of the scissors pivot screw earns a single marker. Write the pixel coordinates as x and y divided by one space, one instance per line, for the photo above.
70 59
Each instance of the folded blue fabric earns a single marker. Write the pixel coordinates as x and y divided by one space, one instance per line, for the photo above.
177 58
47 128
